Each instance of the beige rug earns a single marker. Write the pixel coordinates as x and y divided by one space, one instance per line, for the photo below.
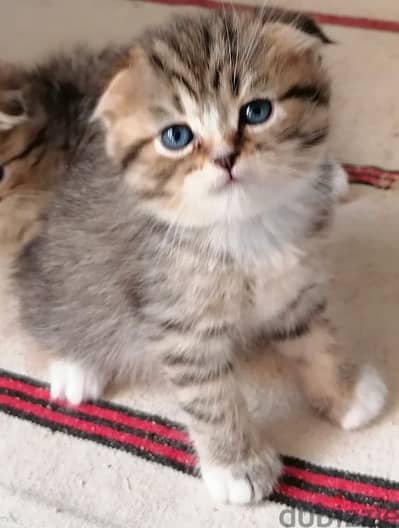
51 479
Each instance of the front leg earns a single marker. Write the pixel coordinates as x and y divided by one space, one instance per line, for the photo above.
236 466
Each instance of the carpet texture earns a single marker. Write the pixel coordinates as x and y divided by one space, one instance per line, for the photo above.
129 463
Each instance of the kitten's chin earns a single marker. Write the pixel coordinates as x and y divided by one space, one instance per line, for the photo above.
232 206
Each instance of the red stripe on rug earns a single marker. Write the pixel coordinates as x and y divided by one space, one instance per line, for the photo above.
357 22
375 171
91 428
375 176
340 504
99 412
342 484
322 18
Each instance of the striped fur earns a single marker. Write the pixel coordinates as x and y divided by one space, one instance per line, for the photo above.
148 262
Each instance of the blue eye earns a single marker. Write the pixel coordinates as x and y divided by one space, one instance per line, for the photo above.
256 112
176 137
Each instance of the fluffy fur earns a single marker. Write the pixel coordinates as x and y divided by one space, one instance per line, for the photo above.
151 259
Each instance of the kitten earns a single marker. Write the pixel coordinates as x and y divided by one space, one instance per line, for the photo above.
186 245
43 113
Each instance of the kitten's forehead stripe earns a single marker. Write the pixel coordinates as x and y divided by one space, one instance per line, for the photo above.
174 75
177 103
157 62
175 44
216 78
208 41
182 79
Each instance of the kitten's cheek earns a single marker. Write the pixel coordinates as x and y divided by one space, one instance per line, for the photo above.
244 172
195 187
204 182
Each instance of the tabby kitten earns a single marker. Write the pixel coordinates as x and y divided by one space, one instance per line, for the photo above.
23 190
187 245
43 112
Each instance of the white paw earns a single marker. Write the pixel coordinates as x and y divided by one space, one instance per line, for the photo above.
243 484
340 183
73 383
368 401
223 487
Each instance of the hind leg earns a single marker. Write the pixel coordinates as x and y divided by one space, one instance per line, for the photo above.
344 392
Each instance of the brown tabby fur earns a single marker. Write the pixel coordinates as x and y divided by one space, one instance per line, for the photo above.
43 111
23 185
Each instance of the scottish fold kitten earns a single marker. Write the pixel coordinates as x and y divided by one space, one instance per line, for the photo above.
187 243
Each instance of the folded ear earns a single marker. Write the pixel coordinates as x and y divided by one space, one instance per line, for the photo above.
290 37
123 105
13 110
126 88
309 26
300 21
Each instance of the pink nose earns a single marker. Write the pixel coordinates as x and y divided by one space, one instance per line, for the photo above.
226 161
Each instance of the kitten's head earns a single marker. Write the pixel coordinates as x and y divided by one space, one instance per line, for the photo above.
217 118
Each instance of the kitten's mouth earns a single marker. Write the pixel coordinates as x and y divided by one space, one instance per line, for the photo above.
230 179
227 181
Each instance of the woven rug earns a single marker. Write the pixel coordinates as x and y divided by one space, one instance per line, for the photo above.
127 462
